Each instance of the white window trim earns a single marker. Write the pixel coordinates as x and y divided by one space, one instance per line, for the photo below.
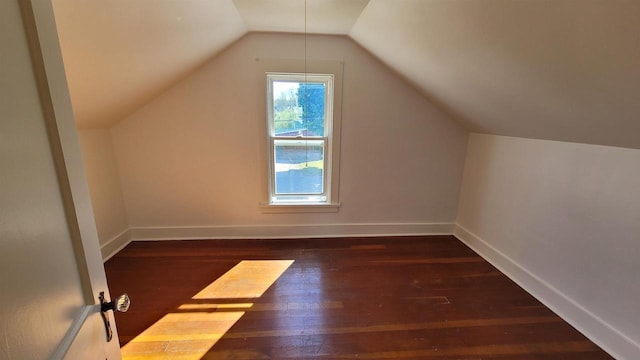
280 208
297 66
327 140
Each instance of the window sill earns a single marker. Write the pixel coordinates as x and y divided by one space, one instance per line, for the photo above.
284 208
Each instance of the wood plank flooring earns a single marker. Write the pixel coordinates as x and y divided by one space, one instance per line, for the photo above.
359 298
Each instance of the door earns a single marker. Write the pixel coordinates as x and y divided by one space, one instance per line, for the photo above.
51 271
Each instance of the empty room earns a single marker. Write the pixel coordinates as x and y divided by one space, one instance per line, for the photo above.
320 179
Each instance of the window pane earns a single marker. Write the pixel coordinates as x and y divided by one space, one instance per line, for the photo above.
287 115
299 167
311 98
298 108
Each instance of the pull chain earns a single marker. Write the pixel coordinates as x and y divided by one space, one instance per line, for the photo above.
304 93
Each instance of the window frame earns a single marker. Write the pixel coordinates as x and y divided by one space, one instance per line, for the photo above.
269 63
302 199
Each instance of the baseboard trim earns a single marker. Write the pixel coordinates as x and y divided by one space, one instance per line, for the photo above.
113 246
289 231
600 332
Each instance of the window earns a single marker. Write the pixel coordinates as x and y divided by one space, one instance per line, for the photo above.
300 132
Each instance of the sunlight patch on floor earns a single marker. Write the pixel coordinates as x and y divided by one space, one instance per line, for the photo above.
248 279
190 335
215 306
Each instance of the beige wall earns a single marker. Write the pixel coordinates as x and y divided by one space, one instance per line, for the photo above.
104 183
563 220
195 155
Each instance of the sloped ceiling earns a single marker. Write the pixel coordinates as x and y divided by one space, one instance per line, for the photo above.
119 54
322 16
564 70
553 69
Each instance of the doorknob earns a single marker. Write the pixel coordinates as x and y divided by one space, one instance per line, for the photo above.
121 304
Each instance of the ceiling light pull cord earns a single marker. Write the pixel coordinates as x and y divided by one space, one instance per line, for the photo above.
304 93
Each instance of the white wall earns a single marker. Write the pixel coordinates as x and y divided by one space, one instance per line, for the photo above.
195 156
563 220
106 193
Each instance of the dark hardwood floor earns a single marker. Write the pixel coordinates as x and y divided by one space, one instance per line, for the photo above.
361 298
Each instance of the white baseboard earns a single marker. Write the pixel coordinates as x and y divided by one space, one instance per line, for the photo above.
289 231
116 244
604 335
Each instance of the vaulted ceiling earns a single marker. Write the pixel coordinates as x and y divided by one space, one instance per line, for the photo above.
564 70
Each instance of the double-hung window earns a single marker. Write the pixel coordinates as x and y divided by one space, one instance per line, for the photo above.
300 129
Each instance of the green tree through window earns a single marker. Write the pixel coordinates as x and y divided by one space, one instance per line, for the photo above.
312 99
